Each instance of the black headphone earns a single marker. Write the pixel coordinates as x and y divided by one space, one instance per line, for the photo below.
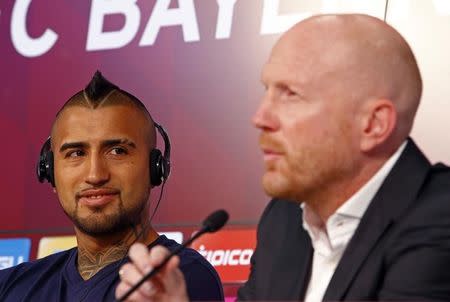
159 163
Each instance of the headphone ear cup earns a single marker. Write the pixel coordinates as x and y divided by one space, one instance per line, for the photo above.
40 169
156 168
50 170
44 168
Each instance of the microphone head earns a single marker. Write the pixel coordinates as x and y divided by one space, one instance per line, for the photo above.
215 221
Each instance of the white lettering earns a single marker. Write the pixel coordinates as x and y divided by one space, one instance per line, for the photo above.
272 23
245 257
227 257
233 260
23 43
202 251
224 18
6 261
217 258
162 16
97 39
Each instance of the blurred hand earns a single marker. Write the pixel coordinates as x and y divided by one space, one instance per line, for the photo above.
166 286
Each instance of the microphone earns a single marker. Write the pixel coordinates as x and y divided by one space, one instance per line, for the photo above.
211 224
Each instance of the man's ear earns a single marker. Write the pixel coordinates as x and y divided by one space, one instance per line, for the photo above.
378 122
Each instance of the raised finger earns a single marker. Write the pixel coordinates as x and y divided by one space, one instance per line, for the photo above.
139 256
130 275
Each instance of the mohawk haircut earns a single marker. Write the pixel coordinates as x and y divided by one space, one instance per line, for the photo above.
99 87
99 91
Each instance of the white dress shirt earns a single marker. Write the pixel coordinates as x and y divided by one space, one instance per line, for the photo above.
330 240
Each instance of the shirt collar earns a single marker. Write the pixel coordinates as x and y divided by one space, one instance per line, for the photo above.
333 236
358 203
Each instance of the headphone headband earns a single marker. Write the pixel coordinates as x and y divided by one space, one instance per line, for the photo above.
159 163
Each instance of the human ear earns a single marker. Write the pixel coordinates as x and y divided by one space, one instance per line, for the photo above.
379 122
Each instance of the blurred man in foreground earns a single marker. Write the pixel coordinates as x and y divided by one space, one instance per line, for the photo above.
102 162
359 212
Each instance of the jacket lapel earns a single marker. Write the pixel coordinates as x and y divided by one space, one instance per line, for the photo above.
292 262
393 198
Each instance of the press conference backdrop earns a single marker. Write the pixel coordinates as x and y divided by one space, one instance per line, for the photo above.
195 64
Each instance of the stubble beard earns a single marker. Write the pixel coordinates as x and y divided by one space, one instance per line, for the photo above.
98 224
306 175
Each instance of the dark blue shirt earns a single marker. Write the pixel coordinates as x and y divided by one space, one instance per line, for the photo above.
56 278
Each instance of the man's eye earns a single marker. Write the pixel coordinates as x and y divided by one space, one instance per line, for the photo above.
75 153
118 151
288 92
284 90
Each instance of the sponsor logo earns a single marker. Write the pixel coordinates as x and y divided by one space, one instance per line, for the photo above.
14 251
229 251
227 257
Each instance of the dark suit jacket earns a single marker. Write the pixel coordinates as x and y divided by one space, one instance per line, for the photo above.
400 250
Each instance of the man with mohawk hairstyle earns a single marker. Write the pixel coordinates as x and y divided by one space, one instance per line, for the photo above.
100 161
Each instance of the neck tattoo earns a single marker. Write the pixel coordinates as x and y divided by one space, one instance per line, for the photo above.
90 263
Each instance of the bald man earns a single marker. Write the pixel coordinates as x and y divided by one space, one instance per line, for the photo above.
358 212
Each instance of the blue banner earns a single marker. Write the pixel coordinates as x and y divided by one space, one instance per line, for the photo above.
14 251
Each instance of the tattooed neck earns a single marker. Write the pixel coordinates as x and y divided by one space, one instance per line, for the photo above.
90 263
91 260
